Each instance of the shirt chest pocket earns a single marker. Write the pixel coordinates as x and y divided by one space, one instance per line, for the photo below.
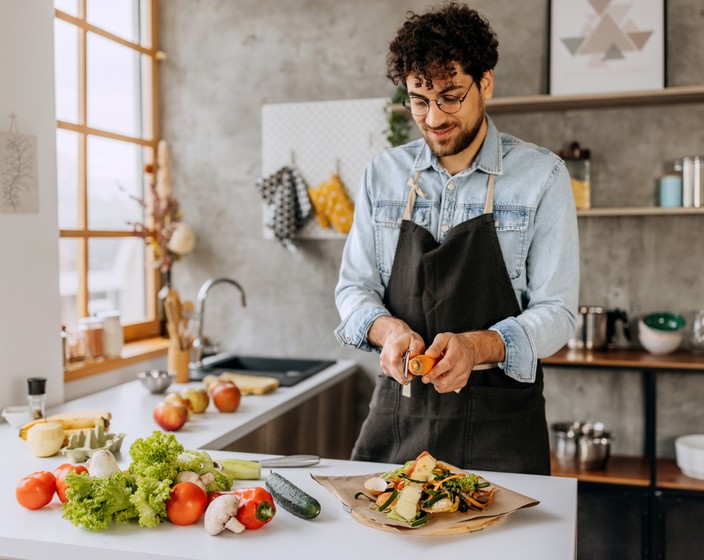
512 230
387 218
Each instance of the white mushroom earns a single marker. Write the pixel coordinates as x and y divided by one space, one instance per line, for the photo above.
220 515
190 476
102 464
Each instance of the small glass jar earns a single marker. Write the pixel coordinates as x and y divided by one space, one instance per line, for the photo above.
696 337
113 337
76 351
36 396
578 162
92 329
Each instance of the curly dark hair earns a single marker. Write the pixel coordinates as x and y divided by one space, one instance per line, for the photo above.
430 44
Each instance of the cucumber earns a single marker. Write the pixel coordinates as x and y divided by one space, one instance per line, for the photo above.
291 497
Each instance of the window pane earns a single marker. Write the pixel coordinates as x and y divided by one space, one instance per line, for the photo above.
113 87
66 70
114 173
67 178
116 277
68 6
68 280
119 17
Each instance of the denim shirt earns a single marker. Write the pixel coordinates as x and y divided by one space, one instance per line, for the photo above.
536 224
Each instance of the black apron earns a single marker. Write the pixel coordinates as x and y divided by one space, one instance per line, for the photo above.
494 423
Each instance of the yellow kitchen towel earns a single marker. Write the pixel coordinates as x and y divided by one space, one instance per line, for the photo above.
332 205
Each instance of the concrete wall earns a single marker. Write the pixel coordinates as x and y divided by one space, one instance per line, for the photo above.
227 58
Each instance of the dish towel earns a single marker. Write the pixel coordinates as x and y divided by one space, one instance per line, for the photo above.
333 206
286 194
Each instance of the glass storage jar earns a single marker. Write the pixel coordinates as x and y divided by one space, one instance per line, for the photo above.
578 162
92 329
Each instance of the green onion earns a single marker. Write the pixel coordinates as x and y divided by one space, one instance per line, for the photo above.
390 501
422 520
362 494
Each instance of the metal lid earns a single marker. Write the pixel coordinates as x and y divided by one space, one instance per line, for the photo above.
36 385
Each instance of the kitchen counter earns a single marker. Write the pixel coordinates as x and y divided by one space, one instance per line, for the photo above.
547 531
544 532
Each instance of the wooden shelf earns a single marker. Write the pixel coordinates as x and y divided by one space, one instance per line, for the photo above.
638 211
545 102
632 471
672 478
625 358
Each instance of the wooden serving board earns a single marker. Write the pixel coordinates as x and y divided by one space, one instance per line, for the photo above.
469 526
251 384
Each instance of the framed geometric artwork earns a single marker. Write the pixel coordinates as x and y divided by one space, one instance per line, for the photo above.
602 46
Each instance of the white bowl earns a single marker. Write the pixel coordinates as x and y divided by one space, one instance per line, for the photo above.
689 450
659 342
17 416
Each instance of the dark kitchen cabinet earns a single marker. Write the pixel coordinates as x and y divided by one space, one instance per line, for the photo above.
637 507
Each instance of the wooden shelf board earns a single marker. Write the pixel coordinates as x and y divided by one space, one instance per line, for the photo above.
132 353
546 102
638 211
625 358
632 471
671 477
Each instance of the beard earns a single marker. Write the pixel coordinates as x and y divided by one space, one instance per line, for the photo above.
457 144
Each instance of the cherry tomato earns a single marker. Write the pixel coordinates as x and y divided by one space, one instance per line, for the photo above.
186 504
60 473
36 490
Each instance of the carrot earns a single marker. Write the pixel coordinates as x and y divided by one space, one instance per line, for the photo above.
420 365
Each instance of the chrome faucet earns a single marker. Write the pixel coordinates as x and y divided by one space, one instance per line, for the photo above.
199 342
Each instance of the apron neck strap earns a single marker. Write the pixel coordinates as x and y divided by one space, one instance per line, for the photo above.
489 203
415 189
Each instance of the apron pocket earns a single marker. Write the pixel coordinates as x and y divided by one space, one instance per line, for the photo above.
508 430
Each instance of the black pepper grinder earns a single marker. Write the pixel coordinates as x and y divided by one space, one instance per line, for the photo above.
36 396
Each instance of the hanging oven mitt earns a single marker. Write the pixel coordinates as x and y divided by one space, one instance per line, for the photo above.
332 205
286 193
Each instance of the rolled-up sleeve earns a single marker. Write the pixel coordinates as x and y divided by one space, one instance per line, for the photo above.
359 291
549 317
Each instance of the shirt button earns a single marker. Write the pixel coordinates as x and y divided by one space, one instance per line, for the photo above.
445 229
451 187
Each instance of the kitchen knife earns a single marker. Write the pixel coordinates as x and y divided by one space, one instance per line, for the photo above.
290 461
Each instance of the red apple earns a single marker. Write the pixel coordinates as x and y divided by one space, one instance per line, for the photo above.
226 396
171 416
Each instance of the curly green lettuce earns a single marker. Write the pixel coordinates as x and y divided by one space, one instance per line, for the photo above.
94 503
201 463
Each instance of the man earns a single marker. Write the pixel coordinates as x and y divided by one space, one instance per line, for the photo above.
464 247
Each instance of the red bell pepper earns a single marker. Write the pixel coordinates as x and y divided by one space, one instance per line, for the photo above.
256 507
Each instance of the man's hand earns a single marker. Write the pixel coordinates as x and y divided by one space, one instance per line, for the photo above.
394 337
457 354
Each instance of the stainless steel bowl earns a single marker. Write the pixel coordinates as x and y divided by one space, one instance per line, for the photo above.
582 445
156 380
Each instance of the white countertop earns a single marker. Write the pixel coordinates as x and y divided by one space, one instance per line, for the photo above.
545 532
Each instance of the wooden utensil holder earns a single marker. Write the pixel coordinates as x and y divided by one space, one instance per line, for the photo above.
177 362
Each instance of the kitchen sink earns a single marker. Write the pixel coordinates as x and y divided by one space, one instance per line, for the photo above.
288 371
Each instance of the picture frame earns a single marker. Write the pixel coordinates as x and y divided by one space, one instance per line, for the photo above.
606 46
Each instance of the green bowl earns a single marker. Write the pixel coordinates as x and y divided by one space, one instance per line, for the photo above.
668 322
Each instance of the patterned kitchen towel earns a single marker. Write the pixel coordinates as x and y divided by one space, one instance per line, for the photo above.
286 194
332 205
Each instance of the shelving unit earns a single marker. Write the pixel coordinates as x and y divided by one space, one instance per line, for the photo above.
638 211
648 470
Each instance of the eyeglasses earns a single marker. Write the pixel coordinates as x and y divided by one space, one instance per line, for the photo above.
449 104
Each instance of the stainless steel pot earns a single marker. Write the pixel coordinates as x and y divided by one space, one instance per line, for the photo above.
596 327
581 445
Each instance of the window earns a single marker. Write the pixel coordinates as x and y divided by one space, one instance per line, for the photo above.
106 75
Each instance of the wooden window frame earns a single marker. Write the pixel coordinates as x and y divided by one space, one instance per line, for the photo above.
135 333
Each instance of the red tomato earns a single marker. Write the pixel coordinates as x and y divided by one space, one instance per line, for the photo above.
186 504
213 495
60 473
36 490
